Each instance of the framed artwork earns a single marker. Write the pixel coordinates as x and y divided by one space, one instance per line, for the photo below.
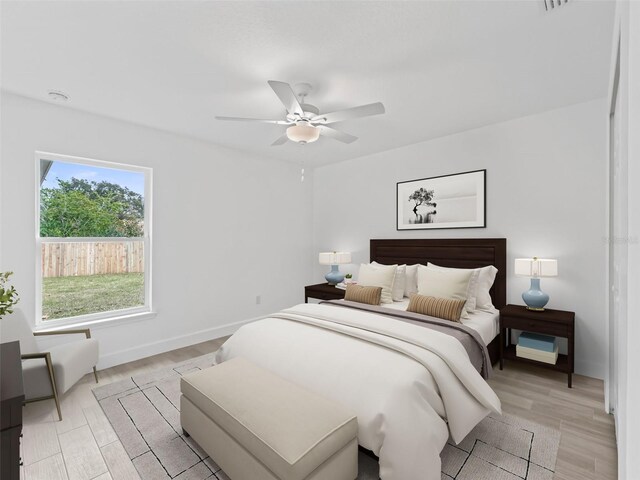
448 201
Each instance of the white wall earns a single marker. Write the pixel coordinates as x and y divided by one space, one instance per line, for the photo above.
625 347
546 193
226 226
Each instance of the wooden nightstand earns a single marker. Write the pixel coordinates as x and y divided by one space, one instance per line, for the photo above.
557 323
322 291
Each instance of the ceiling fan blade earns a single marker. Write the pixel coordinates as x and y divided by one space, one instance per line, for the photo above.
280 140
240 119
287 97
349 113
336 134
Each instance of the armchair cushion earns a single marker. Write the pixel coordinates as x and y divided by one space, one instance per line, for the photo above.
71 361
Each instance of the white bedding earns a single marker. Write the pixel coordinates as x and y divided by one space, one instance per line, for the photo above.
411 387
486 323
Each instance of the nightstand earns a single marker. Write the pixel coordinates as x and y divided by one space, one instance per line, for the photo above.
322 291
557 323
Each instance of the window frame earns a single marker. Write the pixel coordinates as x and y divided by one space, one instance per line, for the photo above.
133 313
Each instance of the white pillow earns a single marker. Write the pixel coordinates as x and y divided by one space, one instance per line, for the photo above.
470 306
378 276
485 281
447 283
410 280
398 283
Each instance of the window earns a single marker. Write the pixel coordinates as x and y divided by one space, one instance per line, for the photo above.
94 240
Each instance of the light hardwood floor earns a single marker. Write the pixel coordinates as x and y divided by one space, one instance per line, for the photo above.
83 446
588 442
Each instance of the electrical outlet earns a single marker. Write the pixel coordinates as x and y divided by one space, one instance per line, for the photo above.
258 299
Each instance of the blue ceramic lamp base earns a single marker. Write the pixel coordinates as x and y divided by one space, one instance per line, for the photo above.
535 298
334 276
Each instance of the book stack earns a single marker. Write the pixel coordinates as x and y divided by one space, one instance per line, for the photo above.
542 348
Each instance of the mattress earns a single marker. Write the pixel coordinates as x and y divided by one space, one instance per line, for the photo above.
486 323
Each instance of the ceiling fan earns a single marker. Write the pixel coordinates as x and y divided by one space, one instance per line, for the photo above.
306 124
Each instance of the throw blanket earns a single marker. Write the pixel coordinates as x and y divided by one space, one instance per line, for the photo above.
468 337
412 387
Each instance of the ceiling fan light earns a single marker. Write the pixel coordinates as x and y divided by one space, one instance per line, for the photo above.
303 133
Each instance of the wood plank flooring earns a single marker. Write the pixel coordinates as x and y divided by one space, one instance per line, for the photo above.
84 446
587 443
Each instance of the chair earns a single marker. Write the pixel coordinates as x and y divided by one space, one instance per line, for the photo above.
50 374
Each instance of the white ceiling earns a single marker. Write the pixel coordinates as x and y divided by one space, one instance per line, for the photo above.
439 67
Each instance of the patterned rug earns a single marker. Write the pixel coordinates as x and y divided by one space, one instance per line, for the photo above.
144 412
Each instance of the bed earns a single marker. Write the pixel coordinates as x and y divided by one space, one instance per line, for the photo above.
455 253
411 387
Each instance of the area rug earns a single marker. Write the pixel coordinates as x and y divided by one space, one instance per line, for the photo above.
144 412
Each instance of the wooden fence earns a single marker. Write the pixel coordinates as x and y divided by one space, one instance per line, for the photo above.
92 258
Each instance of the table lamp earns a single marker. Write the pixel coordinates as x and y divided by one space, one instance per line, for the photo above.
535 268
334 259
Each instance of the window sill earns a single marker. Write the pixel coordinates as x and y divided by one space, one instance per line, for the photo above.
97 323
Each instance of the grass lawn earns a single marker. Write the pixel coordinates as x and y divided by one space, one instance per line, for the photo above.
73 296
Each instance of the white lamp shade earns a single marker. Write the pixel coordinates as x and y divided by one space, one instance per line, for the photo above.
536 267
334 258
303 133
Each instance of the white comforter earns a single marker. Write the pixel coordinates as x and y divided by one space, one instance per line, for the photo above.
411 387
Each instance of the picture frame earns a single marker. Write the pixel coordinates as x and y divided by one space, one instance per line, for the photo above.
456 200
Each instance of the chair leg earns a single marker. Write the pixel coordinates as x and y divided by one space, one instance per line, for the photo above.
57 400
95 374
52 379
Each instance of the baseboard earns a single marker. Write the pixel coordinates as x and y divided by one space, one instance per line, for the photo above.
154 348
590 369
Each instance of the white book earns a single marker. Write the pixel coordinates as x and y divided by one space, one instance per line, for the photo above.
343 285
537 355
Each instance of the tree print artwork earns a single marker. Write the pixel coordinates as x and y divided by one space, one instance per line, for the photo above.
460 200
422 196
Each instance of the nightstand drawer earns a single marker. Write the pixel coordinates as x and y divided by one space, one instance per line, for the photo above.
537 326
323 291
326 295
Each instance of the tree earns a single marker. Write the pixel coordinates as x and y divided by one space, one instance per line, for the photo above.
132 201
78 208
422 196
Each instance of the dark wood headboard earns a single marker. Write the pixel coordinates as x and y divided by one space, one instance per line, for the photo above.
449 252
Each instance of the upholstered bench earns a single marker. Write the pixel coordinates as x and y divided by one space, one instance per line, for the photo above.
257 425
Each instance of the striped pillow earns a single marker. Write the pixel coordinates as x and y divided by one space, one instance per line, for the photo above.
361 294
445 308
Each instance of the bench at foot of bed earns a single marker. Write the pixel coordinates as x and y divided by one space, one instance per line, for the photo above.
256 425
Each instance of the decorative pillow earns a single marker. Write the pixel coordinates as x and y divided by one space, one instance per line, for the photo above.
360 294
410 280
398 282
485 281
449 283
470 306
378 276
445 308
